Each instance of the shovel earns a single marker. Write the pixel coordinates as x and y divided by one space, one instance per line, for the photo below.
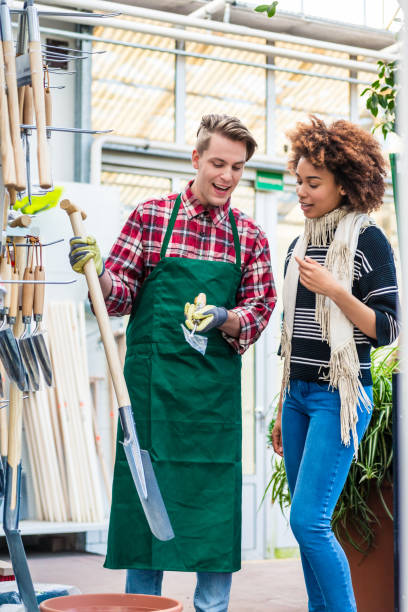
9 351
197 342
38 334
139 460
25 341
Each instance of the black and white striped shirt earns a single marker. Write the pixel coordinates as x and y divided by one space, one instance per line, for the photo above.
375 284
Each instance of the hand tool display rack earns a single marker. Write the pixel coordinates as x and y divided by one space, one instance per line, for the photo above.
24 86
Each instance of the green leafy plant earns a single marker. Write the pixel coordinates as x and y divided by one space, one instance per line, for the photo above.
368 475
269 9
382 97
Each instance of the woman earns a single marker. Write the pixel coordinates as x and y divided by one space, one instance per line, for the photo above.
340 298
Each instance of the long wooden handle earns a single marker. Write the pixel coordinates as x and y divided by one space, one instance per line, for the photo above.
39 290
14 295
48 106
5 273
44 170
76 217
11 80
28 293
28 106
7 155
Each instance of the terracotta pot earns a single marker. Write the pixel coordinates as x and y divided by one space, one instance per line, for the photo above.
373 574
111 602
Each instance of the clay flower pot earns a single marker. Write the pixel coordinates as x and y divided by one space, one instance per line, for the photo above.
111 602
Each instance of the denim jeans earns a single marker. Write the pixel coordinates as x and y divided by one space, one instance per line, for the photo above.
211 594
317 464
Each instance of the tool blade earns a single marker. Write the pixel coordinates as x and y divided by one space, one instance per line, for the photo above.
144 478
197 342
11 358
30 362
43 357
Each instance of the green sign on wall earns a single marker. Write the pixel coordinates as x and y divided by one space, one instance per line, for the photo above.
269 181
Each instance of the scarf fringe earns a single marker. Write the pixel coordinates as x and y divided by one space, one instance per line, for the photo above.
344 369
320 231
339 260
286 350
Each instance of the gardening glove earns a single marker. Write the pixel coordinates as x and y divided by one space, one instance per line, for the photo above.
81 251
209 317
190 309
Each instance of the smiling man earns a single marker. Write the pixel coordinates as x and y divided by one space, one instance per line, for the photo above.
187 405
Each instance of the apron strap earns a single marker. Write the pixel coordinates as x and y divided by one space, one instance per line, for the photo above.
172 222
170 227
237 245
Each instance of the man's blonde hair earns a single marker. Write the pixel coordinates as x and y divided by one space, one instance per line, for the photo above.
230 127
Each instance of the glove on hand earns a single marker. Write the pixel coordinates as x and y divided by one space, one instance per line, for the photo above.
208 317
81 251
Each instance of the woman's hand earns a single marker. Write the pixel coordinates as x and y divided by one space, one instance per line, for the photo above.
276 436
315 277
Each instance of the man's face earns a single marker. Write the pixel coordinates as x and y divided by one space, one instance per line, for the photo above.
219 169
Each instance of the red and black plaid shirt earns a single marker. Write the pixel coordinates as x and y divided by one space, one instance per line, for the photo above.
199 233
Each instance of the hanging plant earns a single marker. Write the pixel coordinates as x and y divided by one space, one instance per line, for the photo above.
382 97
269 9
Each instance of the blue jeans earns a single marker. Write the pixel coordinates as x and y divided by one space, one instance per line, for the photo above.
211 594
317 464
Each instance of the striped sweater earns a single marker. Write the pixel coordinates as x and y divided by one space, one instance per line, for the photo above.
375 284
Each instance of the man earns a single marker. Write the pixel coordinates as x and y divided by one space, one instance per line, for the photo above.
187 405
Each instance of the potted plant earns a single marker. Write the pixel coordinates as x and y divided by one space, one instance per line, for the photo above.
362 519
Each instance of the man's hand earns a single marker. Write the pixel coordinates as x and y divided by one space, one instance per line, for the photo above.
81 251
276 436
207 317
315 277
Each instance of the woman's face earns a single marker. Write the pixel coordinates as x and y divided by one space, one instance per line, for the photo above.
316 189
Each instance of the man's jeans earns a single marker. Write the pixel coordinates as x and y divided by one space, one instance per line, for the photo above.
211 594
317 464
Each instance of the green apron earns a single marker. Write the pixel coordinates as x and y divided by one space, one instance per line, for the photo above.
187 409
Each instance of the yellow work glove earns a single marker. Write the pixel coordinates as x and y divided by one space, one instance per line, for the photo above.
208 317
81 251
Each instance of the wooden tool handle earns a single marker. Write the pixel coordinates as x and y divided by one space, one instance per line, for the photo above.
200 300
76 217
14 295
21 221
28 106
39 274
48 107
14 439
28 293
11 80
7 155
21 94
5 273
44 170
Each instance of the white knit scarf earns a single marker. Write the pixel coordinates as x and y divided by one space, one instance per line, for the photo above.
341 231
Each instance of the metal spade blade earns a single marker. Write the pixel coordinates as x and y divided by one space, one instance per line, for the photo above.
43 357
144 478
11 358
30 362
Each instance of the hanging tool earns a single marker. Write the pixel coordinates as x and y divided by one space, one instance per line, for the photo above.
36 65
197 342
9 351
13 480
7 155
12 96
25 341
38 334
27 118
139 460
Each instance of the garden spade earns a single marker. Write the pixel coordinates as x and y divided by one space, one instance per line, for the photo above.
139 460
9 350
196 341
25 341
38 334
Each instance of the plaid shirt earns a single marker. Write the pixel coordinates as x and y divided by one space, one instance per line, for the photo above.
199 233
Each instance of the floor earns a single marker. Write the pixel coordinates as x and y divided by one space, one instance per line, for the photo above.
275 585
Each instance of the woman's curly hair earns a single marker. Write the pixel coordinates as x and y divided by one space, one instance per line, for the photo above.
353 155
